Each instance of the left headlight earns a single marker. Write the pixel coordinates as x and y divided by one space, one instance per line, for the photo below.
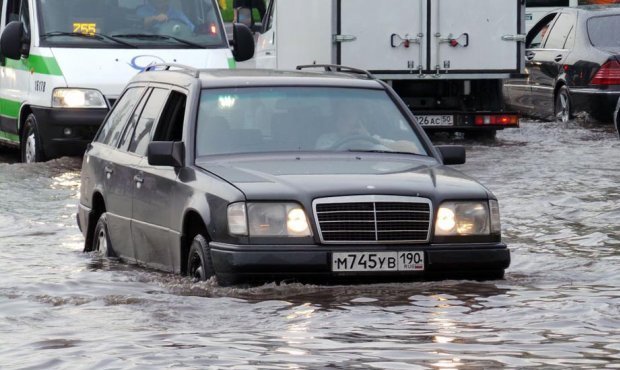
78 98
467 218
268 219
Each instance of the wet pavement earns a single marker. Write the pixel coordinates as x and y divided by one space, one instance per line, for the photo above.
558 307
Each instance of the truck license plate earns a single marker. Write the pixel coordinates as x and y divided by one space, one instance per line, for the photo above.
441 120
378 261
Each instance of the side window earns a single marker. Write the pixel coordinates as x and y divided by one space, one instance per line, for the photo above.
559 32
131 125
24 16
112 128
147 121
170 127
269 16
537 35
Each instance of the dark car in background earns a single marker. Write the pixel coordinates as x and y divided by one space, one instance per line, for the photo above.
573 65
266 175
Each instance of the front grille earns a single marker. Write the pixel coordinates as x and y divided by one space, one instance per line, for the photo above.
373 219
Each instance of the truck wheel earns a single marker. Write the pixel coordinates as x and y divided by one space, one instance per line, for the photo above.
199 263
101 238
562 105
31 147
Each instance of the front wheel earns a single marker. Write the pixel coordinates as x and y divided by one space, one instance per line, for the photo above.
31 147
101 238
562 105
199 263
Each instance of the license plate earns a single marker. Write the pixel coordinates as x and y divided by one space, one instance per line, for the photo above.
442 120
377 261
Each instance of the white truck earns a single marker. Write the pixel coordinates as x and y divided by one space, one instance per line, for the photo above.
445 58
63 63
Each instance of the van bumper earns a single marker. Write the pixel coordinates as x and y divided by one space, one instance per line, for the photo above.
67 132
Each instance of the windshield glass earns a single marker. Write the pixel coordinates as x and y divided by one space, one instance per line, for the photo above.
130 23
604 31
268 119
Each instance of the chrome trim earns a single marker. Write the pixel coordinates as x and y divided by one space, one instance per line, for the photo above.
353 199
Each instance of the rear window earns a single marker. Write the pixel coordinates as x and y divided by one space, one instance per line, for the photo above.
604 31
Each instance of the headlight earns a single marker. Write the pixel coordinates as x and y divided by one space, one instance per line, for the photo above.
78 98
268 219
464 218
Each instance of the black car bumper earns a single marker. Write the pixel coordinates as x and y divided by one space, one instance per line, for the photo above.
67 131
599 103
242 263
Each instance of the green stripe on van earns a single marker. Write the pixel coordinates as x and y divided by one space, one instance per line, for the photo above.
36 64
231 63
9 108
7 136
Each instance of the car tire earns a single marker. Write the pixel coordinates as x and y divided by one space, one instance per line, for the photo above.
562 107
199 262
101 238
31 146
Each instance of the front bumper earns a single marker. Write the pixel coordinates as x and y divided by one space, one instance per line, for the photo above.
599 103
83 124
242 263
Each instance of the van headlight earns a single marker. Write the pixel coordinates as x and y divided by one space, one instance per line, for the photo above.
268 219
78 98
468 218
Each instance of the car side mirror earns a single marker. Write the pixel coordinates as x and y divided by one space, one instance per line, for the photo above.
166 153
243 42
14 43
452 154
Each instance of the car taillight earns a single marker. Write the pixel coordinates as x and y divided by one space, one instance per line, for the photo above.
496 119
608 74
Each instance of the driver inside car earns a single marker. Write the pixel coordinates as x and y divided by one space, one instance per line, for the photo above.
352 134
158 12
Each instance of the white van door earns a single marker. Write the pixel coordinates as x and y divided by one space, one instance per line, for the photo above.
265 53
383 36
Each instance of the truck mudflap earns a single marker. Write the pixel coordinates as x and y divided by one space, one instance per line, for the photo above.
466 121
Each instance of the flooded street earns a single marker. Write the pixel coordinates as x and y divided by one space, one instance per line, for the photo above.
558 307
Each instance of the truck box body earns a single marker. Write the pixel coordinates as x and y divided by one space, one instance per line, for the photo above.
441 56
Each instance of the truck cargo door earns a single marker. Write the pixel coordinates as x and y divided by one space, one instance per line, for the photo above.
476 36
385 36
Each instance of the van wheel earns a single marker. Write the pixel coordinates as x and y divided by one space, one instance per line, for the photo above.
101 238
31 147
562 105
199 263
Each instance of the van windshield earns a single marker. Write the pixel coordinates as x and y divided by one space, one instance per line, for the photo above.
130 23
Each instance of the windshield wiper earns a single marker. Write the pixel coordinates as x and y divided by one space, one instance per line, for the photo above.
151 36
95 36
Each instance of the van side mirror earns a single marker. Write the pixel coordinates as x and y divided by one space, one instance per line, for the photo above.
166 153
452 154
243 42
13 42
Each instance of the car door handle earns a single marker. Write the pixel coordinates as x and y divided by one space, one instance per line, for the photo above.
559 58
138 179
530 55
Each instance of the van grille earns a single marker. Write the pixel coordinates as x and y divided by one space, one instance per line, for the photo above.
373 219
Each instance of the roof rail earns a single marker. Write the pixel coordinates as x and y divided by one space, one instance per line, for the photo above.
195 72
337 68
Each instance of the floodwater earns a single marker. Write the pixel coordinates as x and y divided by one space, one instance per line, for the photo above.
558 307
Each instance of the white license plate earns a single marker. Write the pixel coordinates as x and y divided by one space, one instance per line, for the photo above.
442 120
378 261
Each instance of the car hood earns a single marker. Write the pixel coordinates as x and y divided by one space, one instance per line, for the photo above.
306 178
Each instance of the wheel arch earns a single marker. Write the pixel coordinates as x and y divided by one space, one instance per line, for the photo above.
193 223
98 208
24 112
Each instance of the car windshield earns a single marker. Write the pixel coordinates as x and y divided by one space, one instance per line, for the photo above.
130 23
277 119
604 31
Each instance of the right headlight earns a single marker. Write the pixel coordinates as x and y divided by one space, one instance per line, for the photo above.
468 218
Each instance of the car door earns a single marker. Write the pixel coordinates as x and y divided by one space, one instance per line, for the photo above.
155 186
112 169
548 63
266 43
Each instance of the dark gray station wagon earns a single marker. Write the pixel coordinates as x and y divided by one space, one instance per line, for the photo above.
265 175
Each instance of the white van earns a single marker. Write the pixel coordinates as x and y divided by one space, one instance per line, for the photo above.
63 63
